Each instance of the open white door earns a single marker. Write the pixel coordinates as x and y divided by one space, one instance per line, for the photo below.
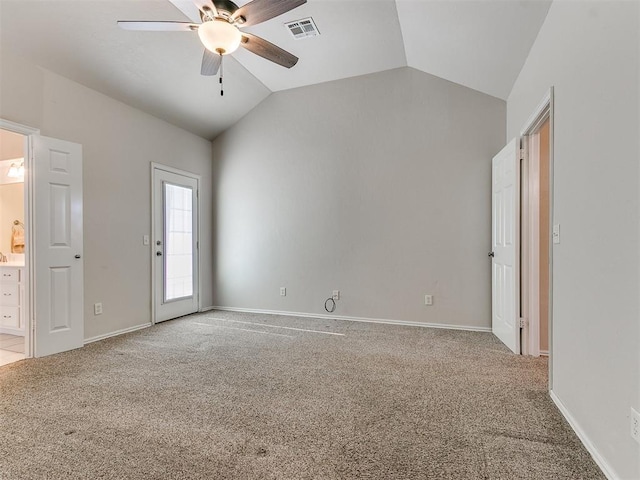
505 241
56 219
175 242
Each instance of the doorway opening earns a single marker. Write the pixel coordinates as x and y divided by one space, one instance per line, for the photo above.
521 253
536 240
14 336
47 275
536 232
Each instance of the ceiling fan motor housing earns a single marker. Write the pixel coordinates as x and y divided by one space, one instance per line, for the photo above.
225 8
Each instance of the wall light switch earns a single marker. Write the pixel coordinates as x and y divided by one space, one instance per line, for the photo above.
635 425
556 233
145 239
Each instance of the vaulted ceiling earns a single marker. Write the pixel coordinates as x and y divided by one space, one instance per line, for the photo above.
480 44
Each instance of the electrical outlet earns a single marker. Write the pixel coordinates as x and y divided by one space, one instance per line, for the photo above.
635 425
283 291
97 308
336 295
428 300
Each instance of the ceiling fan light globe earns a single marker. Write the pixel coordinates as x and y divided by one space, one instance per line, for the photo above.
219 36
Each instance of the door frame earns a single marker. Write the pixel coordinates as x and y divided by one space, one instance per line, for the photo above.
530 234
158 166
29 265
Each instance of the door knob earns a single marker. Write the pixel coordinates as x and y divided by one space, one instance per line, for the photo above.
158 254
491 254
77 256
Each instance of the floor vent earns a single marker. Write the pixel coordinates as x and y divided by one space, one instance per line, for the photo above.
303 28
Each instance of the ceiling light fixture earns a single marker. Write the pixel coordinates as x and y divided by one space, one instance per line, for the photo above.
219 36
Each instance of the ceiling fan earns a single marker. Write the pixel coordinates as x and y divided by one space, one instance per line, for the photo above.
218 24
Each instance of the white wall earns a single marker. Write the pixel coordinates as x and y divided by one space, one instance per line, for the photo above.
378 186
589 51
119 143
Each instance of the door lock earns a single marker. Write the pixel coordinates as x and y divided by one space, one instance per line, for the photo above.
158 254
491 254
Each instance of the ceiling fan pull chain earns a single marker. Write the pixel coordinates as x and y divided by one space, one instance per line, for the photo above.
221 86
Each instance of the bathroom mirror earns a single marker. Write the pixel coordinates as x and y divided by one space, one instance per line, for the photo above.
12 239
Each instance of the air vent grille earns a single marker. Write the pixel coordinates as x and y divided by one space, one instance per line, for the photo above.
303 28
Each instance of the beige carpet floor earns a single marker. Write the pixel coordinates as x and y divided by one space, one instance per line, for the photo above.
234 396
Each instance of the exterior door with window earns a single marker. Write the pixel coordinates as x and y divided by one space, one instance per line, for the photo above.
175 243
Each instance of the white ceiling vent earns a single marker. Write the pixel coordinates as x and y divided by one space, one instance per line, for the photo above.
303 28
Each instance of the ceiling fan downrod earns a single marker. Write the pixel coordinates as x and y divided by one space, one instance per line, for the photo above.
221 86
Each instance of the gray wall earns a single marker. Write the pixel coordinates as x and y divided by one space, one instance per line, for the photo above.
378 186
589 51
119 144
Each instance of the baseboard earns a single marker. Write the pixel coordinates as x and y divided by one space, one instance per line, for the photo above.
544 353
12 331
116 333
600 461
354 319
206 309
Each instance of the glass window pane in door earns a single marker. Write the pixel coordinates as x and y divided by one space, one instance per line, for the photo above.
178 242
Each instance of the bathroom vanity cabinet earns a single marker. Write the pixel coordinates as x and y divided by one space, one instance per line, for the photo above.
11 299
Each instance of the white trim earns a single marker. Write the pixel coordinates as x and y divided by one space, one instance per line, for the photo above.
355 319
539 115
544 353
177 171
207 309
525 246
533 231
122 331
17 127
551 221
30 238
29 298
607 469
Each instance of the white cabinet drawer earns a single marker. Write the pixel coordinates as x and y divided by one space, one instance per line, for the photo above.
9 295
10 317
9 275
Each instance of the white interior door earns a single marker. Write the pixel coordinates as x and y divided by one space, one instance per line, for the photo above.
505 228
175 243
56 220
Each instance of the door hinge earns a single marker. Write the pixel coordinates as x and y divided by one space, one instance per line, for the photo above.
522 154
523 322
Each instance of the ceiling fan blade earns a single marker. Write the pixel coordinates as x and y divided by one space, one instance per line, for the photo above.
268 50
158 26
258 11
189 8
210 63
